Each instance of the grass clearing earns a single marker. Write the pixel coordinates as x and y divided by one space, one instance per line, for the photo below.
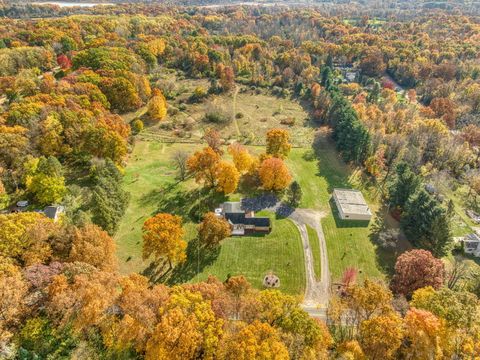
348 242
315 247
279 252
150 180
149 176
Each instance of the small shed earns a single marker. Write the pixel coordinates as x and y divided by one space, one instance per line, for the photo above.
53 212
351 205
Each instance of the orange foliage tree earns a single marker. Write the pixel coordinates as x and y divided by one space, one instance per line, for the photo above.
274 174
213 229
163 238
203 165
94 246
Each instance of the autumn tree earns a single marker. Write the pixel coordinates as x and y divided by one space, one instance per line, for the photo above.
82 302
426 334
203 165
163 238
241 157
157 106
254 341
188 328
381 336
457 308
213 139
47 184
140 303
13 290
278 143
371 62
25 237
274 174
227 177
93 246
416 269
213 229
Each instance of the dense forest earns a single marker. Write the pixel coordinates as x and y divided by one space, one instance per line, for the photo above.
399 89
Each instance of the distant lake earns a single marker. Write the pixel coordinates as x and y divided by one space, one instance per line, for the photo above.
69 4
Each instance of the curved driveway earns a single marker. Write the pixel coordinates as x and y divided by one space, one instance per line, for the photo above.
317 293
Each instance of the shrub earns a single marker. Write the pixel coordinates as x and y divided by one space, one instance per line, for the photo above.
136 126
217 115
290 121
239 115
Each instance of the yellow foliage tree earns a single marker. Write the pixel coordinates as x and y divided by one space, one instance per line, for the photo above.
274 174
381 336
278 143
188 329
241 157
21 233
157 106
255 341
227 177
163 238
156 47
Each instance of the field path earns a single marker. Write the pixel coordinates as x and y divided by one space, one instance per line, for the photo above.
317 293
234 109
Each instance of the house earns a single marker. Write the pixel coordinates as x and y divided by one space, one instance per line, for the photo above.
241 221
351 205
471 244
53 212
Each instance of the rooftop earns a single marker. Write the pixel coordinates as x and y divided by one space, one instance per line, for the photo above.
352 201
232 207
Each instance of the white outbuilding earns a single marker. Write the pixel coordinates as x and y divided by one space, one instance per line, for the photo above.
351 205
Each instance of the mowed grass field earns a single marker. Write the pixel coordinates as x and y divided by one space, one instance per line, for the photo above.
279 252
315 247
149 176
319 171
150 180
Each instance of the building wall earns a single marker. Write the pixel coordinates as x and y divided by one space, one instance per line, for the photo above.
356 217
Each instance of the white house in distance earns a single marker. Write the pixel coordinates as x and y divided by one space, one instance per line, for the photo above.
471 244
351 205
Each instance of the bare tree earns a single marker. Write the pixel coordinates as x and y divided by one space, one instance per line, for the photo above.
458 271
179 160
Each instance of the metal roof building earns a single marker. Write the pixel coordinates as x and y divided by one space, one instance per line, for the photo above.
351 205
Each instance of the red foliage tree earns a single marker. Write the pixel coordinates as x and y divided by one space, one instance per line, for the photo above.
64 62
416 269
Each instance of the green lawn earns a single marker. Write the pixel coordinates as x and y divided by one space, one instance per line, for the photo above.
150 180
280 252
348 243
315 246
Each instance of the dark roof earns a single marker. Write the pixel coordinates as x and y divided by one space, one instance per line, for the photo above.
258 221
52 211
239 218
